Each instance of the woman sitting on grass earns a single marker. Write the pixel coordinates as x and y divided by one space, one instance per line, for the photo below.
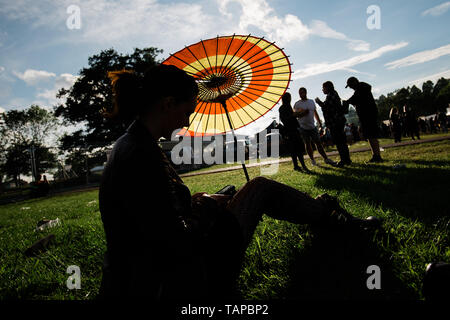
163 243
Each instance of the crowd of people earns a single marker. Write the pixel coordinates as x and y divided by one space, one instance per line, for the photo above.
301 128
403 122
301 132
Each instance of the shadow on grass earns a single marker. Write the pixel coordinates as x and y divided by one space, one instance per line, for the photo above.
417 193
333 266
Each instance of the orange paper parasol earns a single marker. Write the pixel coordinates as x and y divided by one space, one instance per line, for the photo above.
240 79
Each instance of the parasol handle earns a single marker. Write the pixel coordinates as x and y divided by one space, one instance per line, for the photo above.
224 105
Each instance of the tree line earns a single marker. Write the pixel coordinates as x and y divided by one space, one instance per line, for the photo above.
25 133
432 99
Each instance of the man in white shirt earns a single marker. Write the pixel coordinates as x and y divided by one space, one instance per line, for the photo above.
308 127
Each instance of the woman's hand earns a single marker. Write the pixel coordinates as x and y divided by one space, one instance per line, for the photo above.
199 194
220 199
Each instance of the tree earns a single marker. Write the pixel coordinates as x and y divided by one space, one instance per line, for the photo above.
384 106
440 84
32 125
91 94
427 97
443 99
21 130
432 98
415 97
352 117
17 162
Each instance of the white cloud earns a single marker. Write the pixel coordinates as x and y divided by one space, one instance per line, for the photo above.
2 110
166 24
42 80
437 10
107 21
392 86
319 68
2 69
320 28
433 77
45 12
419 57
358 45
259 14
34 77
65 80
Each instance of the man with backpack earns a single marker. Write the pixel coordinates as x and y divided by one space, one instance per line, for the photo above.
333 112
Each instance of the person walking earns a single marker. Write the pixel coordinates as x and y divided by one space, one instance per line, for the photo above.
335 120
308 128
443 121
411 122
367 112
396 124
291 126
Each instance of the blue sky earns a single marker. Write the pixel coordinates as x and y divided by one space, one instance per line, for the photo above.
325 40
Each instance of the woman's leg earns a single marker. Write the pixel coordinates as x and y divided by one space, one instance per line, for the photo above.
299 146
309 150
264 196
292 150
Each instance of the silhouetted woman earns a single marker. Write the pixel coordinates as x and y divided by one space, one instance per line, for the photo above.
163 243
291 126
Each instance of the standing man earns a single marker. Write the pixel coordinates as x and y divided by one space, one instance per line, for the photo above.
367 112
308 128
335 120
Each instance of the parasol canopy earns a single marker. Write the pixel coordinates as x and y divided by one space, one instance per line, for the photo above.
240 79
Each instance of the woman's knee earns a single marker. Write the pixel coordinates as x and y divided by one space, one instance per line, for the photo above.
258 182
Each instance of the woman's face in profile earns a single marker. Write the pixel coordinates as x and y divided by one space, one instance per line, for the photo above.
180 113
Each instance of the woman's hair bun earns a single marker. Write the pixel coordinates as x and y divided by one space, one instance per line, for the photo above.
126 88
134 94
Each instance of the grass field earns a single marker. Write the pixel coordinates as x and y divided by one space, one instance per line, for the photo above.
283 260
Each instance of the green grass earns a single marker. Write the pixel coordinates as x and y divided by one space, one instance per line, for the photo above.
386 141
283 260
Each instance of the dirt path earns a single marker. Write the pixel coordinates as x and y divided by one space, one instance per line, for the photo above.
332 153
